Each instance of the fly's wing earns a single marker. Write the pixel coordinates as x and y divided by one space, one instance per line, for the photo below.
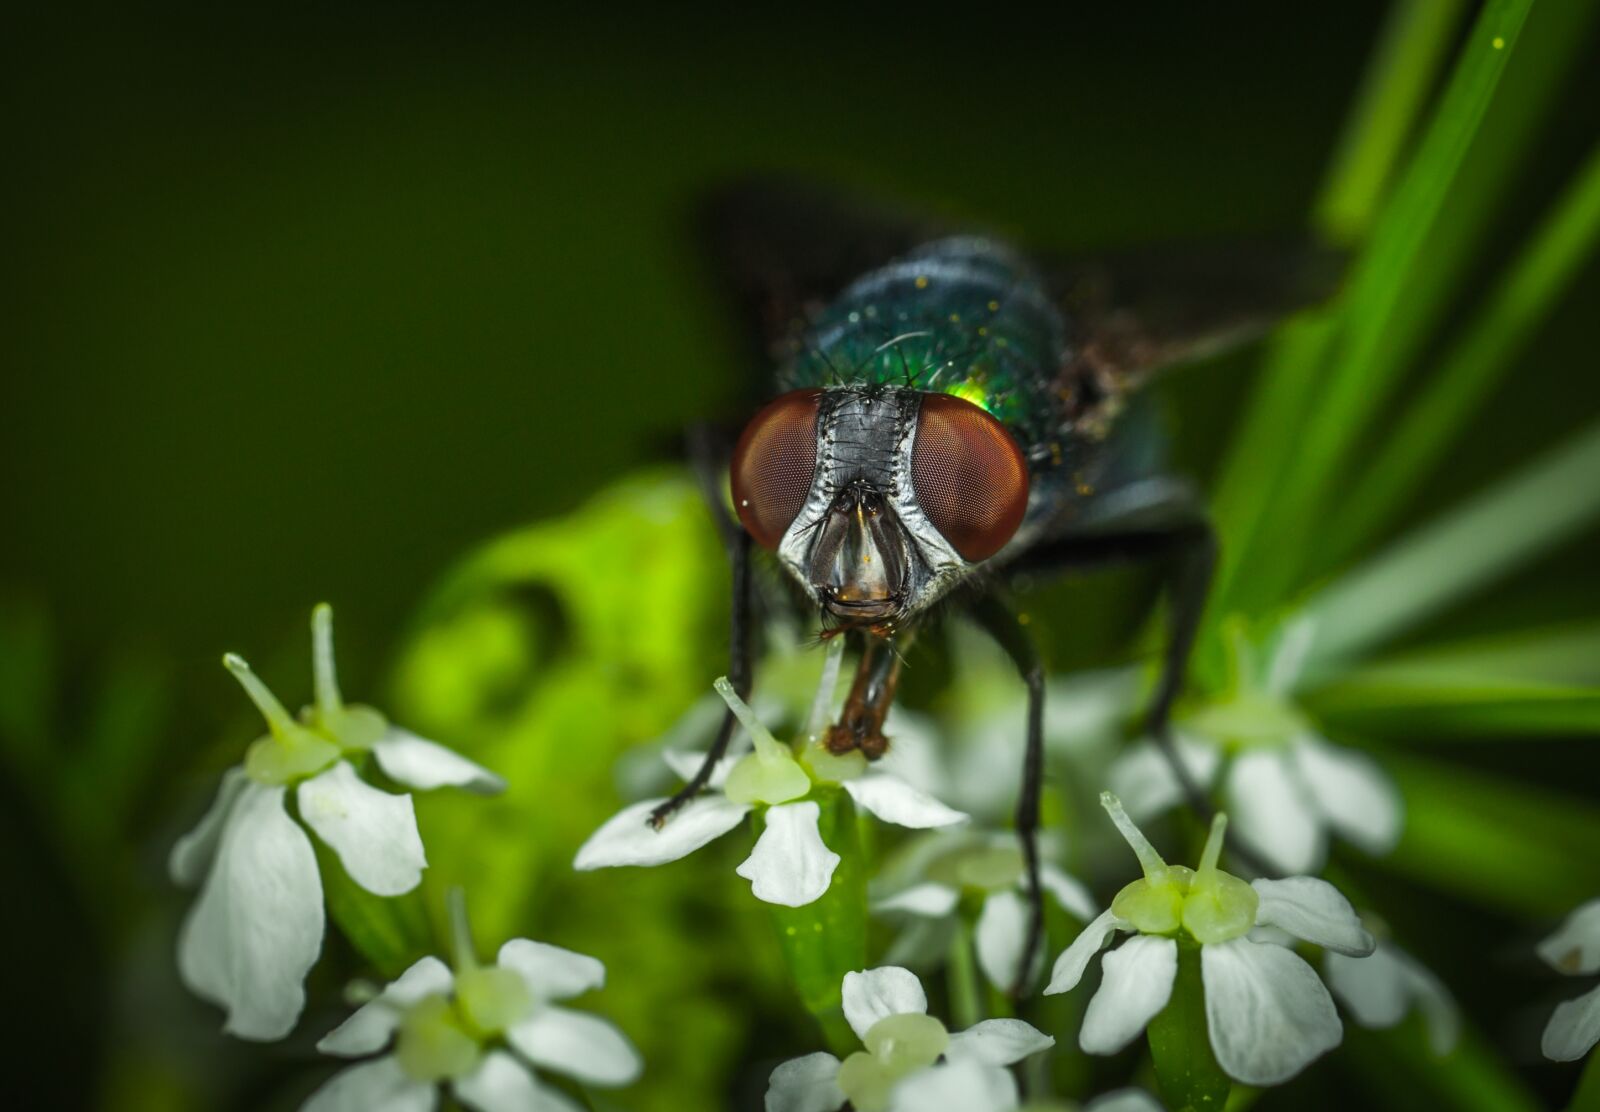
1137 312
782 250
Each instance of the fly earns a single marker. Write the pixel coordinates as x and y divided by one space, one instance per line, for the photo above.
950 412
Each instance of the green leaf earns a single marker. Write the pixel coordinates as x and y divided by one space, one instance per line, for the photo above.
1476 360
1180 1043
1524 850
827 938
1500 529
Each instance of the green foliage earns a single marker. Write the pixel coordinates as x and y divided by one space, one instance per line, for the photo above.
549 656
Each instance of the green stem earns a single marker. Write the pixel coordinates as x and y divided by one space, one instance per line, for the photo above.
1180 1043
827 938
966 988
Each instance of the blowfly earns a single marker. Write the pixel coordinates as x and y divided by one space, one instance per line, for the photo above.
946 413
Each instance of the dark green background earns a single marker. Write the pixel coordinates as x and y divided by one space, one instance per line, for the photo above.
303 303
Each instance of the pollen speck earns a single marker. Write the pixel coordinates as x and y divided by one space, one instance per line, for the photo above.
1499 43
922 281
994 306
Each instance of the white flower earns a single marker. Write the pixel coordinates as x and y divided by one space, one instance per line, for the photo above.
480 1030
1267 1013
790 865
1574 949
1286 787
257 927
901 1069
991 865
1381 988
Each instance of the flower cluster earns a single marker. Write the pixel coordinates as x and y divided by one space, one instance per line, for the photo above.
257 927
1267 1013
789 865
478 1030
911 1061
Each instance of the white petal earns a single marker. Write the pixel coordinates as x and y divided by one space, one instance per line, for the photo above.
369 1027
964 1086
1277 936
1268 1013
1371 987
1124 1100
998 1042
1575 946
789 864
1068 891
1380 989
191 855
1142 777
1137 985
931 901
627 838
1349 788
578 1044
871 994
894 800
808 1084
257 928
422 764
1001 934
1314 910
551 972
686 762
1075 958
380 1083
1270 810
374 833
1574 1028
503 1084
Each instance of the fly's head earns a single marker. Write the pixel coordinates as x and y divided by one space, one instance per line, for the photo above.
878 501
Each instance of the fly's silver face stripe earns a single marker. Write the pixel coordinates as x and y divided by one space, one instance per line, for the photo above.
885 416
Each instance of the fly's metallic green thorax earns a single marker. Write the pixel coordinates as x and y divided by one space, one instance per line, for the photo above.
963 316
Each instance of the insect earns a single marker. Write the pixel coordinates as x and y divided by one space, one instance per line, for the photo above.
946 413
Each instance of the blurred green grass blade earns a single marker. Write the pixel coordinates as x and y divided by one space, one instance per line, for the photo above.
1504 527
1544 682
1476 360
1411 47
1393 295
1402 69
1423 711
1561 654
1523 850
1403 1073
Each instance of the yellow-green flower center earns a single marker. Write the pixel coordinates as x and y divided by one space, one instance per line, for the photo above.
293 750
1249 719
435 1042
1211 905
896 1046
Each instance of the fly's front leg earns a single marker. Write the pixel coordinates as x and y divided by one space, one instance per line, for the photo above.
1008 632
860 724
738 674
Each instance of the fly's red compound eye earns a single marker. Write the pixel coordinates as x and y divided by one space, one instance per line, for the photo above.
969 474
773 465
